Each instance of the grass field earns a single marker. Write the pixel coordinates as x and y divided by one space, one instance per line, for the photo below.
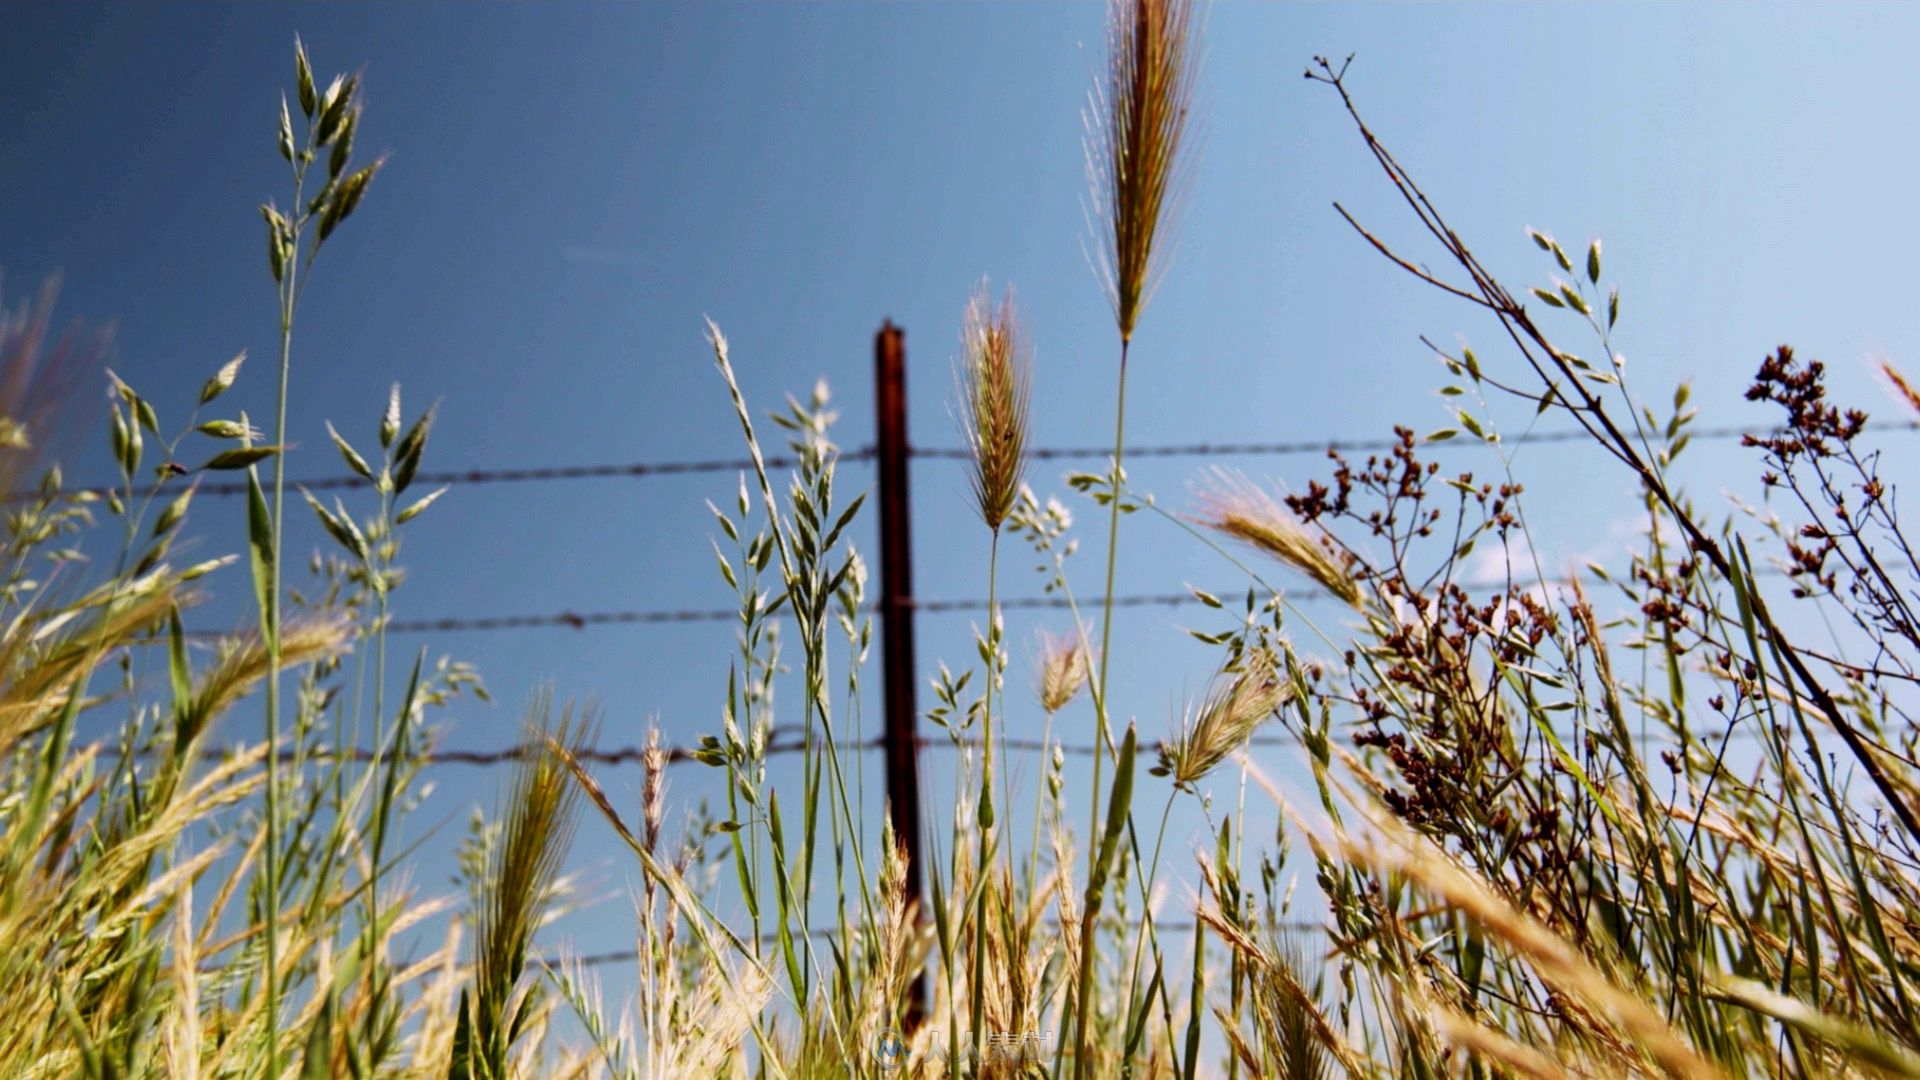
1540 841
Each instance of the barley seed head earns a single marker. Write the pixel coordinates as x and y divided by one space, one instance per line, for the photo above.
1136 133
995 379
1240 699
1903 390
1230 504
1064 666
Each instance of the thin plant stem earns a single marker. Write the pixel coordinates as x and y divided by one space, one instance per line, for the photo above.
289 296
1084 999
379 761
985 810
1146 917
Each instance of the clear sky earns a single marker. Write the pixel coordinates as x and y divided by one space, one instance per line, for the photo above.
572 188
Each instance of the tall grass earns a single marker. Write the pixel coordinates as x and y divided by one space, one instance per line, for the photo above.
1631 820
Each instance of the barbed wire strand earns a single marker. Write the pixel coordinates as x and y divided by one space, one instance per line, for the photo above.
640 469
581 620
563 960
680 755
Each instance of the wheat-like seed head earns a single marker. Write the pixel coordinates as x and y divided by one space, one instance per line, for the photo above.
1902 389
1228 503
994 385
1136 131
241 664
1239 701
1064 666
541 812
653 788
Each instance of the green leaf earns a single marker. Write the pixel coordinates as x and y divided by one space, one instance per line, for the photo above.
316 1063
177 671
260 554
1119 803
459 1066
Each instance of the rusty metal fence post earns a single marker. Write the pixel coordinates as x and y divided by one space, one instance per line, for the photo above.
902 742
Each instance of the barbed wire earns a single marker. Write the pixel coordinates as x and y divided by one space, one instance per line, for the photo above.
563 960
531 475
1315 446
786 742
581 620
640 469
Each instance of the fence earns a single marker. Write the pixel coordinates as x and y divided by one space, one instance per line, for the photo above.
891 455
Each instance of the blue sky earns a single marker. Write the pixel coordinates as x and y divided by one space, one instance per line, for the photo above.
572 188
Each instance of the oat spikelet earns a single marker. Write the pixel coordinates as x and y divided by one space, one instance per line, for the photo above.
1236 705
994 384
1136 135
1230 504
1064 666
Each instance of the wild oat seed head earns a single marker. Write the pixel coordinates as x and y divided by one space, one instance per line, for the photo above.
1228 503
1136 131
1236 705
1064 668
994 384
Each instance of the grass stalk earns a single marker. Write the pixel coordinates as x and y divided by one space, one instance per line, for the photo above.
270 631
984 813
1089 916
